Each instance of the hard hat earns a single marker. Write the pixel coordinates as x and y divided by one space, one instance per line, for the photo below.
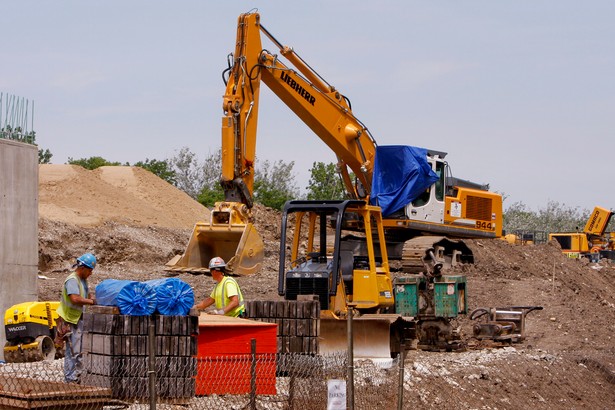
88 260
217 263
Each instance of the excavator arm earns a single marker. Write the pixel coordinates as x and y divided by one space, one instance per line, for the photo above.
230 233
240 107
319 105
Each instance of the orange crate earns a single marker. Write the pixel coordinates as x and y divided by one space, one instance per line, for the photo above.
224 359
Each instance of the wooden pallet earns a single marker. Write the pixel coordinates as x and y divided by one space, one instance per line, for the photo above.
27 393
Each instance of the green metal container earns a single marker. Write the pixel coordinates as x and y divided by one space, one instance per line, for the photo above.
406 291
450 296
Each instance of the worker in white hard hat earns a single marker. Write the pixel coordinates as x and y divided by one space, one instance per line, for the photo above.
226 295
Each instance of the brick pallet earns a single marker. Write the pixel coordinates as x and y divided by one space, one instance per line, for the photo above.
298 322
116 354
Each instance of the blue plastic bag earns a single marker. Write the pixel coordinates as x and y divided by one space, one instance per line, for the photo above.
401 174
131 297
174 296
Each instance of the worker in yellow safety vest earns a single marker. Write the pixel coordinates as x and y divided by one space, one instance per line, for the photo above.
226 295
69 326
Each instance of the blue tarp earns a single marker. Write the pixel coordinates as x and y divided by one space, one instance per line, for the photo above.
131 297
401 174
174 296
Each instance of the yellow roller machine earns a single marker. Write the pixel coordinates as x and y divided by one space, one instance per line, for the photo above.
30 332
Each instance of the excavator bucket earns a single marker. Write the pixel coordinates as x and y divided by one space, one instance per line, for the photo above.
239 245
372 336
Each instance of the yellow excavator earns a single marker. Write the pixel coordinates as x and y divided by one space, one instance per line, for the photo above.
445 211
404 207
593 243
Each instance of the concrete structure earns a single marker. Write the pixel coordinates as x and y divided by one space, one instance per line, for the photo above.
18 225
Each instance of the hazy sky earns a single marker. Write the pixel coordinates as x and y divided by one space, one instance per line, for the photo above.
521 94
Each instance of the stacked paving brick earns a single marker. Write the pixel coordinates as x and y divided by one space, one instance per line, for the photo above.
298 322
116 353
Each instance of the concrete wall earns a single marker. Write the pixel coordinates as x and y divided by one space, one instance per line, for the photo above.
18 226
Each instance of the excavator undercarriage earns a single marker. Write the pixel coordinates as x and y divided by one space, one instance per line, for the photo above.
434 253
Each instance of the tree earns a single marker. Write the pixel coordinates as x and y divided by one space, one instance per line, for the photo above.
324 182
189 176
161 169
555 217
212 190
558 217
210 195
519 217
92 162
44 156
274 184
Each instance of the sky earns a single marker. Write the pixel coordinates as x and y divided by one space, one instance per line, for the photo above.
520 94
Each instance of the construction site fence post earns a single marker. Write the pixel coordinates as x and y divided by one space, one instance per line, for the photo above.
253 375
151 344
350 375
400 393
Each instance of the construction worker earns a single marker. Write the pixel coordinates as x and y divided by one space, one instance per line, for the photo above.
226 295
75 295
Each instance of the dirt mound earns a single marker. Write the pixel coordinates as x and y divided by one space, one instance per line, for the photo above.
577 296
129 195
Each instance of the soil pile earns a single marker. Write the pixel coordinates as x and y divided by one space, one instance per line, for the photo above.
135 223
127 195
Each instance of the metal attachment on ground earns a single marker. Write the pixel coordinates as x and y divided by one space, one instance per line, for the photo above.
503 324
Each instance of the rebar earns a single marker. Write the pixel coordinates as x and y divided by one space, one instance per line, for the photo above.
16 114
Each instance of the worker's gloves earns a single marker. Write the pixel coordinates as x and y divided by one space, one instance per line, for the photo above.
218 311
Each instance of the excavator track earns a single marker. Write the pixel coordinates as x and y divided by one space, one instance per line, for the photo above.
434 253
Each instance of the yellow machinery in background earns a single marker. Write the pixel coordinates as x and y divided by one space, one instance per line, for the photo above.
30 332
593 243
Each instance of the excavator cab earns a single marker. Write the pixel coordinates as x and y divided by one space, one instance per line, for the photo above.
229 234
323 265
